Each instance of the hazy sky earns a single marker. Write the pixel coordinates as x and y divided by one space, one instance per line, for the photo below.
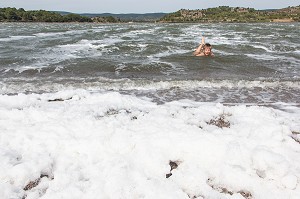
140 6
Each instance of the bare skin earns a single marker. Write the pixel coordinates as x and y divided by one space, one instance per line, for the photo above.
204 49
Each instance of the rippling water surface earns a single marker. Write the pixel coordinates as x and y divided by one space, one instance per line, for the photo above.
254 63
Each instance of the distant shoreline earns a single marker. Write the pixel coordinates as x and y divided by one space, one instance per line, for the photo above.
234 14
221 14
159 22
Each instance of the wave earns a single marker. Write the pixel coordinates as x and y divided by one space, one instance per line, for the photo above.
150 51
14 38
21 85
53 34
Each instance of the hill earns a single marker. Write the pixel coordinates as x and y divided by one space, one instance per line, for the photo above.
219 14
147 17
234 14
20 15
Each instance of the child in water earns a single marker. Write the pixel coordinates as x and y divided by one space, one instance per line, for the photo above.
204 49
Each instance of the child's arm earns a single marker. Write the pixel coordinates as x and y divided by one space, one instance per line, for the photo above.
198 50
203 40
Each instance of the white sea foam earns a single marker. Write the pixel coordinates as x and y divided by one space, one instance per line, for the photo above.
13 38
12 85
49 34
137 33
80 49
53 34
297 51
262 47
263 57
86 145
221 40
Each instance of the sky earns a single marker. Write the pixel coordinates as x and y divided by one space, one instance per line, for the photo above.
140 6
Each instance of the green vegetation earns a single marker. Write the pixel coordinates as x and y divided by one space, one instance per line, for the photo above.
20 15
147 17
219 14
231 14
108 19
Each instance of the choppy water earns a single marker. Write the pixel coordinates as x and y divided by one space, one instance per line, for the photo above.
254 63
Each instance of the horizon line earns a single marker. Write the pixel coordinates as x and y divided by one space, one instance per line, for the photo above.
157 12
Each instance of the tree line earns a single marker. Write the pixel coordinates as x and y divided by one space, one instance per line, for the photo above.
233 14
20 15
218 14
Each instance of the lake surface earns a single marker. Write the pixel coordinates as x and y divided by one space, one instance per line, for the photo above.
254 63
91 111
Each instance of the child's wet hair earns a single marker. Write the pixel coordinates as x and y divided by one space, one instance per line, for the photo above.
207 45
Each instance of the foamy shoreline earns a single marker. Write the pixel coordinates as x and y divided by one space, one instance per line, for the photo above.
77 144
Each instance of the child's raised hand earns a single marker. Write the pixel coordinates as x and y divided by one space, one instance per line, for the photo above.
203 40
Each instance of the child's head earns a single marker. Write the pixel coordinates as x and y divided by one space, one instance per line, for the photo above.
207 49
